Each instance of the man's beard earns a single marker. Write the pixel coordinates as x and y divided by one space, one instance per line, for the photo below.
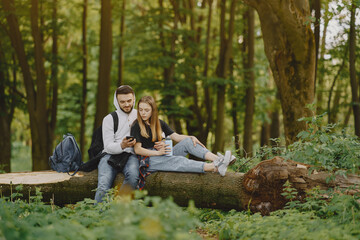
127 111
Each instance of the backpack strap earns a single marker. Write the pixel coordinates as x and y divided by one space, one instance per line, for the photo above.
116 121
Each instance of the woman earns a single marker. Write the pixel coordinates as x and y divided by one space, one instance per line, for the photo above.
148 130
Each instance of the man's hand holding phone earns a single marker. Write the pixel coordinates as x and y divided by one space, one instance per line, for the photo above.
128 141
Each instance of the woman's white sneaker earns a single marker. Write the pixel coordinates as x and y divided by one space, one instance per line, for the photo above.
224 164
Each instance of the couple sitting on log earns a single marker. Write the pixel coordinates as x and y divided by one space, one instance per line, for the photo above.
145 150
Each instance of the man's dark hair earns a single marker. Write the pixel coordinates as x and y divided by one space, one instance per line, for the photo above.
124 89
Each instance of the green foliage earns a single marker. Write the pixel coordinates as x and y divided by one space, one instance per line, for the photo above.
21 157
325 148
120 218
290 194
314 219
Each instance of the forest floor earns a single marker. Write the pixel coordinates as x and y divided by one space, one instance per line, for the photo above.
205 235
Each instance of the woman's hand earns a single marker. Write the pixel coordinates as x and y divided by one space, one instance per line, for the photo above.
196 141
163 148
159 145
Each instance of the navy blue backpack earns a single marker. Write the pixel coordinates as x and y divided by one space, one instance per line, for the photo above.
66 156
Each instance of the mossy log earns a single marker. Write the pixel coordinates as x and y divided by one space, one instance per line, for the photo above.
259 189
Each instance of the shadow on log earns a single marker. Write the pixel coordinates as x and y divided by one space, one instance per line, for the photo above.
259 189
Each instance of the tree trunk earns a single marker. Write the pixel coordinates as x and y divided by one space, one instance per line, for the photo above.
332 112
275 126
6 115
42 143
84 80
169 71
207 91
105 59
36 100
121 45
290 49
259 189
249 83
320 71
317 8
191 44
222 71
353 80
265 134
54 73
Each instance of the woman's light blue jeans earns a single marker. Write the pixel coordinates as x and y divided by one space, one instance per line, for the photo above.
107 174
178 162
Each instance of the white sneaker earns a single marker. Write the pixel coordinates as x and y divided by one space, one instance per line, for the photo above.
219 160
224 164
232 159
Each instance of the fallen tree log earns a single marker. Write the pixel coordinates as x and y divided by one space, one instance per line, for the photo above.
259 189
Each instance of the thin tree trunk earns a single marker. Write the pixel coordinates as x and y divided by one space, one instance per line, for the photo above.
121 45
329 109
317 8
54 72
207 91
5 117
169 72
352 69
265 134
320 65
84 79
275 124
290 49
249 84
347 117
222 71
190 45
105 60
335 104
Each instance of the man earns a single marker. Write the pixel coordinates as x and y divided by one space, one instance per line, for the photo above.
124 101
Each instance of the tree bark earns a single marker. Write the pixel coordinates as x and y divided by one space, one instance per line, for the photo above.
352 70
290 49
249 83
105 59
259 189
84 79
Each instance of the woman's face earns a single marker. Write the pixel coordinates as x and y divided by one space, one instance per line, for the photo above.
145 111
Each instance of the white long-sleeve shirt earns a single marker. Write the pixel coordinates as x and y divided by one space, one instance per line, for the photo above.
112 142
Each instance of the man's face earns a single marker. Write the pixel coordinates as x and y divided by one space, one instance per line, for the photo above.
126 102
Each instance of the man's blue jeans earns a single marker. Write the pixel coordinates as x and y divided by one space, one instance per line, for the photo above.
107 174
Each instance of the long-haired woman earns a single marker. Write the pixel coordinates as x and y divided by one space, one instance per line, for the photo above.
148 131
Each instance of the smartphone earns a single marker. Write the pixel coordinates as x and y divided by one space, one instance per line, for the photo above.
130 137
